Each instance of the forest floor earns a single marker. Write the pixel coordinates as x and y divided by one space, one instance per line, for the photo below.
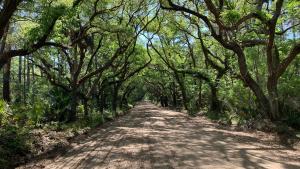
152 137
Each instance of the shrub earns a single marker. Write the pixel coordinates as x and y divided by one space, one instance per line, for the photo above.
5 113
36 113
14 143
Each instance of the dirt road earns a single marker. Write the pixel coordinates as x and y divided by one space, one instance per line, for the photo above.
153 138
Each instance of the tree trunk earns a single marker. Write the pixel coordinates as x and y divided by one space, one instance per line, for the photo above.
28 82
174 95
183 92
273 99
102 101
161 99
7 66
115 100
6 81
200 95
215 103
24 80
74 103
19 98
124 101
86 108
33 84
250 82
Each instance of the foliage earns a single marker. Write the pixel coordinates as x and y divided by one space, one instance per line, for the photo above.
5 113
231 16
14 143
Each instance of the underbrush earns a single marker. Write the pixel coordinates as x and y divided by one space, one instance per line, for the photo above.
15 143
287 128
25 134
20 144
254 120
291 117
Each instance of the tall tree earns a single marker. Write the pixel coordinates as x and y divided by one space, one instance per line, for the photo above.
231 35
7 67
45 15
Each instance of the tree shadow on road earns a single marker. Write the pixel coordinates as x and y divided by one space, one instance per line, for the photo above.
151 137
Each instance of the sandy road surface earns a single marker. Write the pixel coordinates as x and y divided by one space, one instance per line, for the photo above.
153 138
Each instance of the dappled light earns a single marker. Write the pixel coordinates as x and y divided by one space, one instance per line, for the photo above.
150 137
